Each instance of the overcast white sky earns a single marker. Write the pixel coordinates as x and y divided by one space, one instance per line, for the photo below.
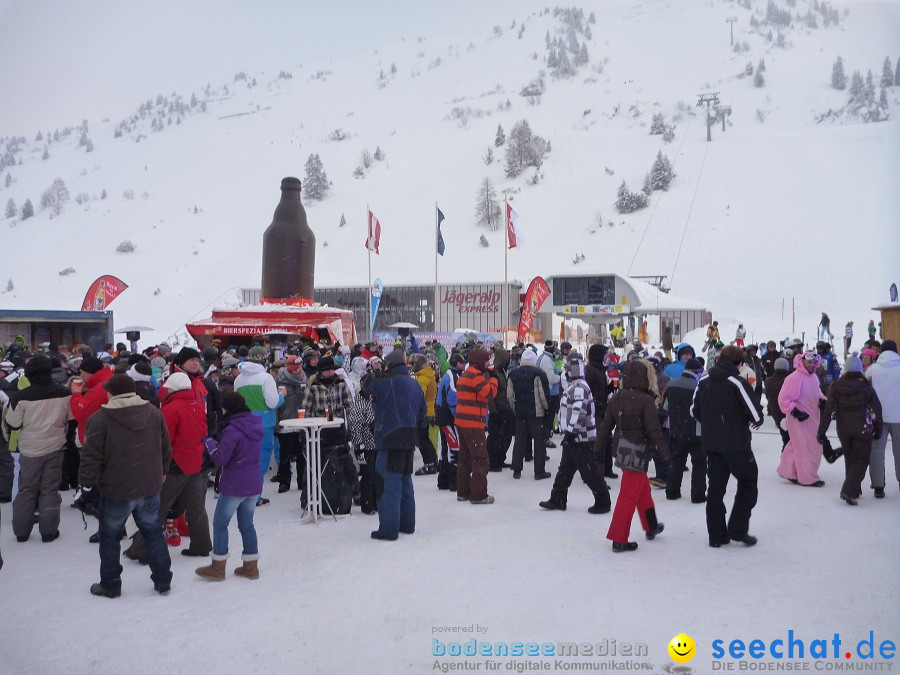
65 61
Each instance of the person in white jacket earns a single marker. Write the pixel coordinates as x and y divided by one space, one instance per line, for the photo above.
885 377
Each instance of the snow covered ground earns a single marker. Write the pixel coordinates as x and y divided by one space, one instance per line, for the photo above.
331 600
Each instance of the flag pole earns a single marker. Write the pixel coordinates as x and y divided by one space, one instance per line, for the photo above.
506 262
437 225
369 249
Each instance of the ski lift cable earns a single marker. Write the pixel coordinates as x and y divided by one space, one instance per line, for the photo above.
655 206
688 219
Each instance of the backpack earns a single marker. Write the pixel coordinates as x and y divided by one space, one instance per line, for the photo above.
443 415
337 493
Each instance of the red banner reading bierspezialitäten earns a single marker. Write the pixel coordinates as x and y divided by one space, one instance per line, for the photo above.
538 291
102 292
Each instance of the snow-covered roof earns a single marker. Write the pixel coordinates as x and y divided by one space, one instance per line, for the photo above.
651 298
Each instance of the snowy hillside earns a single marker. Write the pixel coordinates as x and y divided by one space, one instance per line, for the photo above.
778 206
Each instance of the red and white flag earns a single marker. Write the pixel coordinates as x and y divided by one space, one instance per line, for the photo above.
373 241
512 231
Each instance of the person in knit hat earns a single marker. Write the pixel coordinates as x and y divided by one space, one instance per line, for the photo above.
677 399
773 385
473 389
142 374
528 392
577 421
186 422
41 412
852 401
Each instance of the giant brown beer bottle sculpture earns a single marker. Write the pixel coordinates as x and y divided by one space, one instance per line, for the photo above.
289 248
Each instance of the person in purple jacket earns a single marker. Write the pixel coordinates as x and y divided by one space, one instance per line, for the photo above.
236 452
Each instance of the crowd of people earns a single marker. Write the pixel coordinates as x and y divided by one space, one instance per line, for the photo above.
147 435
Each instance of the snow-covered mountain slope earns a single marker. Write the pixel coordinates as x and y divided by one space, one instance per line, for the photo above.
778 206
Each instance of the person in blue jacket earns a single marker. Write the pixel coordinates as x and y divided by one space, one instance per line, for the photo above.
683 353
829 370
400 411
445 418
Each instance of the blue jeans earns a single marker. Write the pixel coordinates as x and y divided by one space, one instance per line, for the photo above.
225 508
397 506
113 514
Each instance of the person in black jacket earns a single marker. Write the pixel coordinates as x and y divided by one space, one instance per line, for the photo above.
528 392
595 376
773 387
726 408
677 399
501 421
400 411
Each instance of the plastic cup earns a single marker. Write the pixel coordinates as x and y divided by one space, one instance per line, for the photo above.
301 414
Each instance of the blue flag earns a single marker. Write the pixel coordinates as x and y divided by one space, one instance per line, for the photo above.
440 237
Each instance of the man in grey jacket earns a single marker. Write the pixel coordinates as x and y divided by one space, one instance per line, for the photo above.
41 413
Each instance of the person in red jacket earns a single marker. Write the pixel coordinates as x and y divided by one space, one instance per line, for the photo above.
473 389
186 422
89 394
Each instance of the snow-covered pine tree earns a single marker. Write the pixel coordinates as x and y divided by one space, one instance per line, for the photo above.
661 172
583 57
483 241
869 90
552 60
27 210
882 99
547 39
365 158
10 285
46 155
8 179
39 137
658 125
487 208
11 210
627 201
897 73
587 33
648 186
857 94
84 139
489 156
343 221
564 66
524 149
748 69
500 138
887 73
838 78
315 182
379 155
759 80
762 65
103 194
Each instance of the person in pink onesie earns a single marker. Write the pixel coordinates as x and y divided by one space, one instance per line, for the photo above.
799 401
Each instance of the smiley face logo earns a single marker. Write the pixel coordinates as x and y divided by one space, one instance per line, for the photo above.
682 648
